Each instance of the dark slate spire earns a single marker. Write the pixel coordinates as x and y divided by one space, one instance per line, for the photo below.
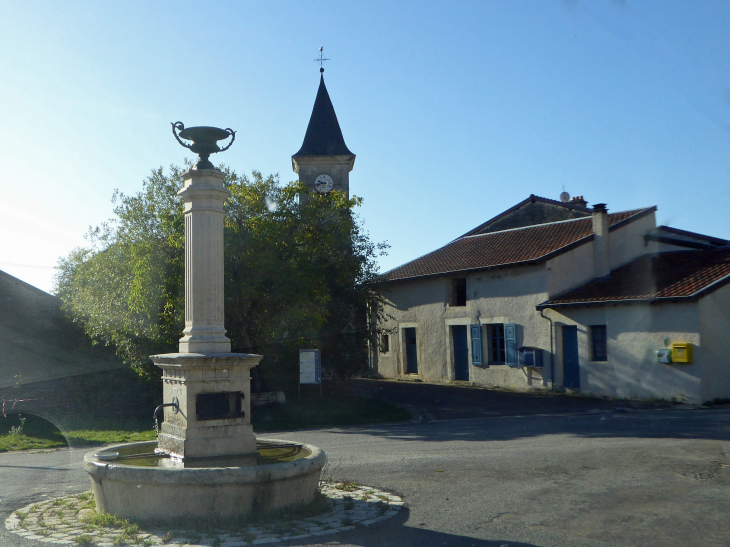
324 136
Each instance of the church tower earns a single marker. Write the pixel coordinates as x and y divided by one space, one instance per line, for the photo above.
324 162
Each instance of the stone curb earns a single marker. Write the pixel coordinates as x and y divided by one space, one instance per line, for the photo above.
61 521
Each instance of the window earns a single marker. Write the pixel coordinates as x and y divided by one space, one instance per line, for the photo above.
502 339
599 347
384 343
458 291
496 344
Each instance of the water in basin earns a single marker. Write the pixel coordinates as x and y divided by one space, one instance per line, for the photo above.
144 455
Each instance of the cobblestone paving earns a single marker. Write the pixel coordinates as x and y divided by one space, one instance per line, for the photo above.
72 520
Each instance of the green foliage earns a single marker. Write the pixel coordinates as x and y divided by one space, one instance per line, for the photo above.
28 432
295 277
17 431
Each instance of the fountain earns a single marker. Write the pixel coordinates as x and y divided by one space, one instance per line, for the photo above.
207 461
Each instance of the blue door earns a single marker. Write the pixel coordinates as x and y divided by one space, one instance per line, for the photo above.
571 371
411 351
461 352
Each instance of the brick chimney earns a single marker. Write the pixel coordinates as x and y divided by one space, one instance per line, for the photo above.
578 200
601 256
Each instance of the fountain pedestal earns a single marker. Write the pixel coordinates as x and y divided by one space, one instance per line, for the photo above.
213 394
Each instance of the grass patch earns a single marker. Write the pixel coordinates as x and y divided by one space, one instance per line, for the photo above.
332 409
25 431
312 411
38 433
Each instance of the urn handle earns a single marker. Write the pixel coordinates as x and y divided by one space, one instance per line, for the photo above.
231 133
179 126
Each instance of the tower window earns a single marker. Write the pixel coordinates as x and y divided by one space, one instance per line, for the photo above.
384 343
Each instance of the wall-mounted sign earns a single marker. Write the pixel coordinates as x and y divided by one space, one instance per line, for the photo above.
310 366
664 355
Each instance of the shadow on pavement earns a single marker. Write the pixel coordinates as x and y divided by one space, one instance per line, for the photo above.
396 534
705 424
448 402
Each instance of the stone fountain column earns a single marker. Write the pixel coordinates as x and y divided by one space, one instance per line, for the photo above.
209 384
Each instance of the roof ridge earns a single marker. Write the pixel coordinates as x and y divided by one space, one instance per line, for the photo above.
534 244
530 199
635 211
523 228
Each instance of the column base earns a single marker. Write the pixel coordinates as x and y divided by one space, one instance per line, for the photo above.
213 393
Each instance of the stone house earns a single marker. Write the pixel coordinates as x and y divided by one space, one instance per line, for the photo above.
556 295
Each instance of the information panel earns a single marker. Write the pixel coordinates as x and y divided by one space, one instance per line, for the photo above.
310 366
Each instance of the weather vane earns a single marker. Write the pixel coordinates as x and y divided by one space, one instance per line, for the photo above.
321 59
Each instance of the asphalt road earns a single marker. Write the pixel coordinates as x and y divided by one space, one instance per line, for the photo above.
448 402
646 478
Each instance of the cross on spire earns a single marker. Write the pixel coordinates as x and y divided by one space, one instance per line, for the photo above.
321 59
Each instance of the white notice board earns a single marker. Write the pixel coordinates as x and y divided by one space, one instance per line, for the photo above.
310 366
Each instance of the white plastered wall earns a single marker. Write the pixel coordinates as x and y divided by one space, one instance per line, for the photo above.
505 295
418 303
635 332
715 328
627 243
575 268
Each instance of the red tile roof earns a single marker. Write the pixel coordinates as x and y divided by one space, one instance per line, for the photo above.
510 247
532 199
665 276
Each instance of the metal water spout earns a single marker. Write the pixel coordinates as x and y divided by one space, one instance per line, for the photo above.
176 408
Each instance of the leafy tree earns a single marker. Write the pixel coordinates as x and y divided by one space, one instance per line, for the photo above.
295 277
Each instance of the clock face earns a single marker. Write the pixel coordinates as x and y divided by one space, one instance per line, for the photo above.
324 184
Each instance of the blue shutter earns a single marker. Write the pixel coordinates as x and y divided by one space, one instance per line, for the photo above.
510 344
476 345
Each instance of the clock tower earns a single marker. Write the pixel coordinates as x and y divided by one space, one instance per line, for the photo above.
324 162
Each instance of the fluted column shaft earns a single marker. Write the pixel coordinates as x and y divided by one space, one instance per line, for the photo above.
204 195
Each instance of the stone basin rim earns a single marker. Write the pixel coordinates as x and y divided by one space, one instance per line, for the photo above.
115 471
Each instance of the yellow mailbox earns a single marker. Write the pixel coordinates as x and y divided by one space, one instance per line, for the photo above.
682 353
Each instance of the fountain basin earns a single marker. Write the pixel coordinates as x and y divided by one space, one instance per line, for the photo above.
138 484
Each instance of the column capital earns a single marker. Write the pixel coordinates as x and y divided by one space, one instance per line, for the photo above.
204 187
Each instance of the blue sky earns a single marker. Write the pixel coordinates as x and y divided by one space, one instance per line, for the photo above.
456 110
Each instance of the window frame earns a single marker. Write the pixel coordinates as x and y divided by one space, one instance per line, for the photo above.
598 356
500 347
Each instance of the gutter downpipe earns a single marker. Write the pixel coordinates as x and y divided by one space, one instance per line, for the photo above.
552 353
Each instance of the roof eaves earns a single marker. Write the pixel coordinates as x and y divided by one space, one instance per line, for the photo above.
547 304
530 262
632 218
710 239
687 243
